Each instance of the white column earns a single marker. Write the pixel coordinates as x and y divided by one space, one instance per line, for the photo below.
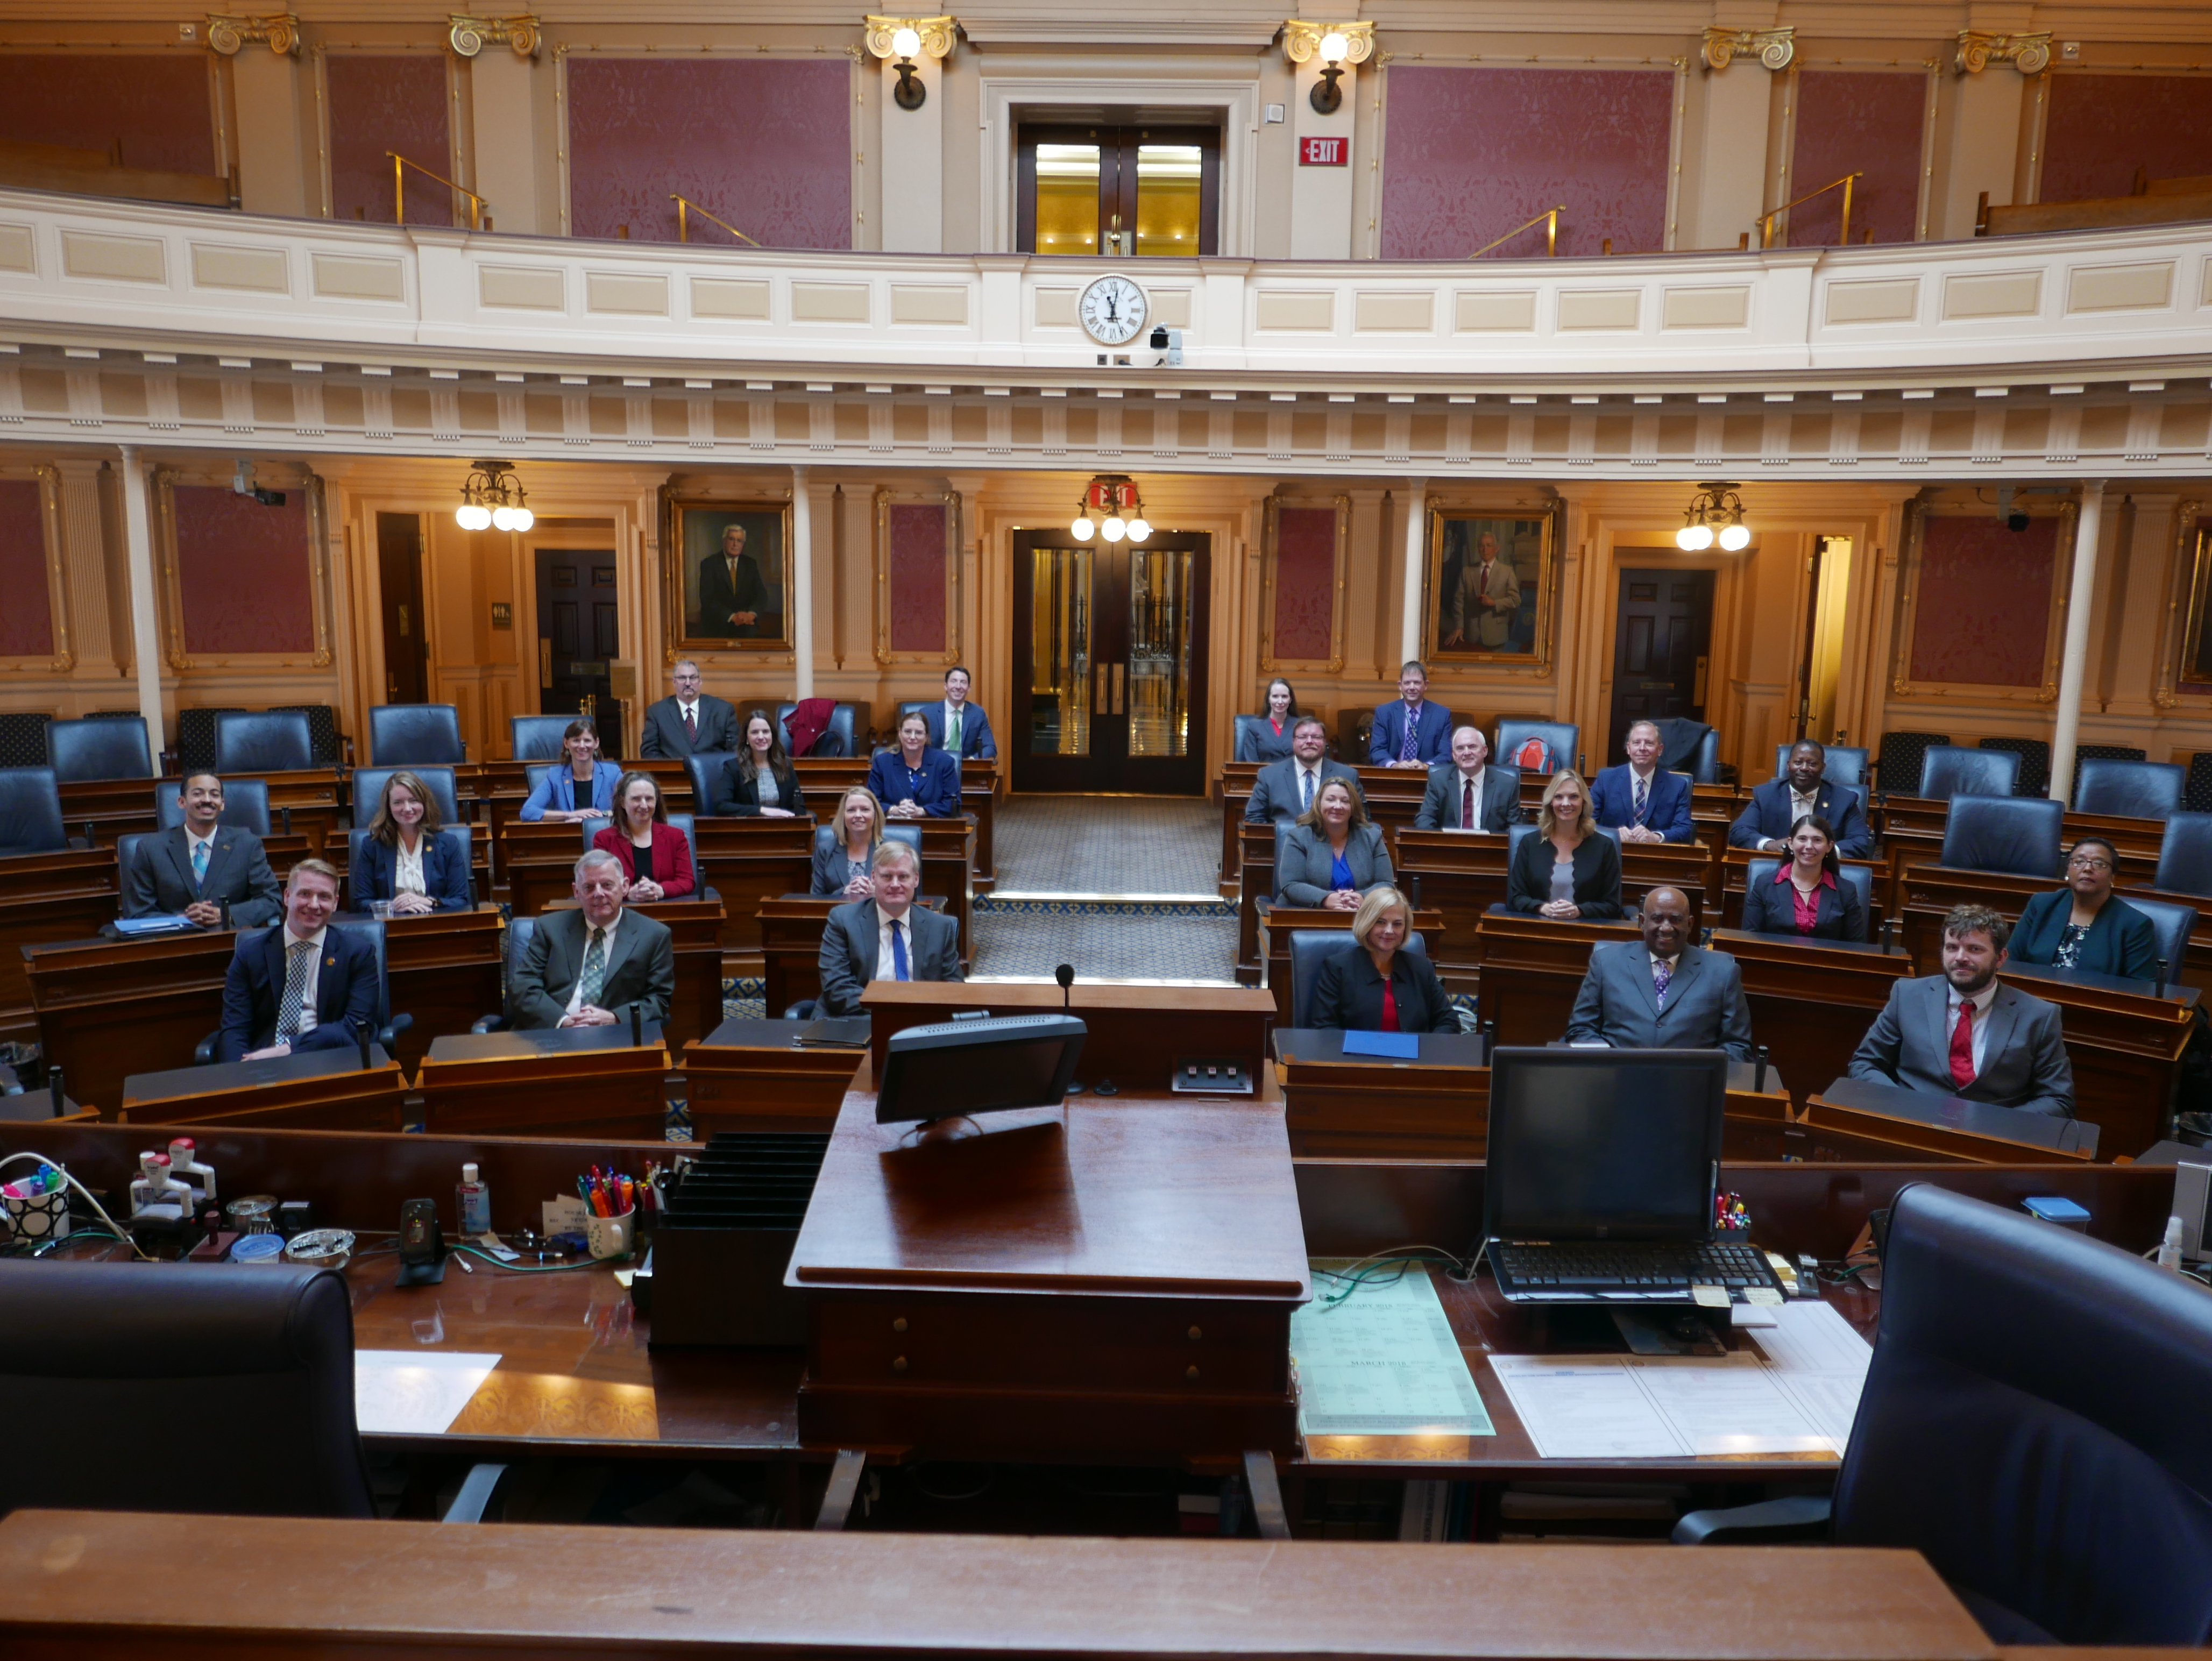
1416 527
802 587
503 92
145 624
1321 196
2074 660
912 218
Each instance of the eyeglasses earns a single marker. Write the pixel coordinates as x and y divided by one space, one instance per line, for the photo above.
2091 862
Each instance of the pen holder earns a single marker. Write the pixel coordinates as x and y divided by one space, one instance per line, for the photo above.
39 1218
610 1237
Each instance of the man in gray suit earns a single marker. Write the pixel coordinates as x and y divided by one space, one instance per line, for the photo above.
1286 788
1468 785
690 722
591 966
1664 994
203 868
1961 1034
888 937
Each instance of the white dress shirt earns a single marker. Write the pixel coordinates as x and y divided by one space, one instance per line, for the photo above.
308 1021
886 964
576 996
407 868
1981 1001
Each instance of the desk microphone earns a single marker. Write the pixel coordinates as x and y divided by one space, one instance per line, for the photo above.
54 1090
1065 975
637 1027
361 1038
287 814
1759 1085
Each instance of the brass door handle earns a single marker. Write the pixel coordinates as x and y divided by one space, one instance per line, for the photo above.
1118 672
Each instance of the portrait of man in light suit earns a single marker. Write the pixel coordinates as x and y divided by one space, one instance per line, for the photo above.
1482 567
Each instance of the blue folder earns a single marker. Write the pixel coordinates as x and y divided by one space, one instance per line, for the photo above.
1398 1047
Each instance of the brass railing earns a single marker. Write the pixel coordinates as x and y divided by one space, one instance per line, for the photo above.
1551 233
685 208
399 166
1766 221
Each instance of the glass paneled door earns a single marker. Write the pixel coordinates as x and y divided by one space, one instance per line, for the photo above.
1120 188
1109 663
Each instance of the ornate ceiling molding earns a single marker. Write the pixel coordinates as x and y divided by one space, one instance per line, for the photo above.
1775 47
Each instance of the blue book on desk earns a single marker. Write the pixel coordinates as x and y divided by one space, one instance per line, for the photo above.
1398 1047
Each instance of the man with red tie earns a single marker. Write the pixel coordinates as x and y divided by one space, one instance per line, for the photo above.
1962 1034
1467 793
690 722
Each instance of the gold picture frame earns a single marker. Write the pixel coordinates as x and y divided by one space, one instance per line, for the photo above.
886 499
1493 637
1271 663
1917 514
2185 655
166 483
62 657
693 538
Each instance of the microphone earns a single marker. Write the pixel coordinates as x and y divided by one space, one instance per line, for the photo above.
637 1027
54 1090
361 1038
1065 975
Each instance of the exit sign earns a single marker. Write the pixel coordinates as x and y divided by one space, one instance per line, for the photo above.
1324 152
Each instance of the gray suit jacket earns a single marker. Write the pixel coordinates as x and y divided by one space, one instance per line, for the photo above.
1302 874
2024 1062
664 738
1705 1007
1275 791
1498 805
641 968
238 875
834 868
848 952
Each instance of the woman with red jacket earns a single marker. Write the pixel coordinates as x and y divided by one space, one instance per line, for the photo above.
656 855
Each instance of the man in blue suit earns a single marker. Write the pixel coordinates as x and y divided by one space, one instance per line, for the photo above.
1778 805
970 729
1643 800
1410 732
301 985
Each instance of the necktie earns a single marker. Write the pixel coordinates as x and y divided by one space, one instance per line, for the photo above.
1305 788
1482 588
299 958
952 733
1407 751
200 861
593 978
1962 1047
1662 976
899 971
691 722
1466 804
1643 795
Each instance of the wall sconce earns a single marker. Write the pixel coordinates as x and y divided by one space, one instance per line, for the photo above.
905 38
493 499
1338 45
1715 504
1114 495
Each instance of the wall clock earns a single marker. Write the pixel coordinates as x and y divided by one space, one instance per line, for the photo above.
1113 310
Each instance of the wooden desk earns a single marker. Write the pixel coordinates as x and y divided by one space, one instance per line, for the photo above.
1812 1001
791 945
538 863
1532 968
2125 1039
1459 875
1092 1279
1281 922
114 807
979 796
312 1090
696 925
310 797
45 897
444 969
1137 1033
562 1081
1255 880
1910 1122
1236 778
948 869
1394 795
751 1075
107 1009
746 861
1693 867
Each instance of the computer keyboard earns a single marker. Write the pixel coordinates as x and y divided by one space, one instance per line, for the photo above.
1727 1265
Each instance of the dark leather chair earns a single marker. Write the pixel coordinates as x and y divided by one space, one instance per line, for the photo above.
2128 790
2085 753
325 741
1705 767
826 836
415 735
842 737
688 823
2015 834
538 738
2034 776
195 737
126 851
1249 730
1846 766
99 746
1309 949
2197 795
1947 770
1897 765
1858 878
461 835
1516 834
244 804
1565 738
369 790
264 741
23 738
30 812
2171 925
519 932
2028 1425
2185 856
706 771
388 1026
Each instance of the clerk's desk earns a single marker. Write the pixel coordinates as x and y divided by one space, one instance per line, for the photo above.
310 1090
755 1076
552 1081
791 926
44 897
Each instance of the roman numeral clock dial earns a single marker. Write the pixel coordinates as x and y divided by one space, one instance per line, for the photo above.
1113 311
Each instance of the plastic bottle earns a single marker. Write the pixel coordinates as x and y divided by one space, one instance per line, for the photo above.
2169 1249
473 1199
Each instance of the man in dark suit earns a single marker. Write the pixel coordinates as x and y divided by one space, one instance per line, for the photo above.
1664 994
1410 732
203 868
1777 806
1468 794
688 723
971 738
1962 1033
732 595
591 966
1642 799
303 985
1286 788
887 937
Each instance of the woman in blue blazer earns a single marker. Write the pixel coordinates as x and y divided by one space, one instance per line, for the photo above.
404 859
582 787
2082 925
914 781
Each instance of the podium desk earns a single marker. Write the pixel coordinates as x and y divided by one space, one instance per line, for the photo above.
791 944
1868 1120
1812 1001
310 1090
1281 922
556 1081
696 925
1459 875
1236 778
747 860
110 808
444 968
1532 968
66 895
107 1009
1095 1279
754 1075
1255 880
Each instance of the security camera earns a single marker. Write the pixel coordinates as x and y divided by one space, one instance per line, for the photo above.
2016 520
242 484
1169 342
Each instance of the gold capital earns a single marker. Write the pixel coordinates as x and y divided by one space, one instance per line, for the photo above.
1775 47
227 34
2028 53
469 35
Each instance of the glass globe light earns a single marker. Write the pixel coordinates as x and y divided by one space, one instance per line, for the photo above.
1116 527
521 518
1734 537
1333 47
905 43
472 516
1081 528
1139 528
502 518
1694 538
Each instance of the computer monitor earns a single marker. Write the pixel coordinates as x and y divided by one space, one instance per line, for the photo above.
956 1068
1604 1144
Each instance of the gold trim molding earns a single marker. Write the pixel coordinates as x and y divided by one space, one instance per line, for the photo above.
226 34
1775 48
467 35
938 34
1270 664
2028 53
1902 685
1301 40
2187 596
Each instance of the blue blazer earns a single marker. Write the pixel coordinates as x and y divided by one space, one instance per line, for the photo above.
937 793
1431 735
1613 796
445 873
253 989
1767 816
976 739
2120 942
557 791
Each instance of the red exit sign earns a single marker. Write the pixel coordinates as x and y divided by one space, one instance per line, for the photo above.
1324 152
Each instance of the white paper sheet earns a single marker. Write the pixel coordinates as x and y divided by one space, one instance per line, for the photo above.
1645 1406
1819 1359
1586 1408
1723 1404
1382 1361
415 1392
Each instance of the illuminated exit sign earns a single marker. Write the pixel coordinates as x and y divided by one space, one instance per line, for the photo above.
1324 152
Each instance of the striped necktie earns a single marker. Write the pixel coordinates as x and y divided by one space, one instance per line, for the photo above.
299 958
200 861
593 981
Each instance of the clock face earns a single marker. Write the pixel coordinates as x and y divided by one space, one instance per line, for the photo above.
1113 310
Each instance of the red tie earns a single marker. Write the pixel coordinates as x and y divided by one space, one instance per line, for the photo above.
1482 588
1962 1047
692 724
1466 804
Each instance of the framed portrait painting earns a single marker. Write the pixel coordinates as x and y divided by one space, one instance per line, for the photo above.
728 575
1491 586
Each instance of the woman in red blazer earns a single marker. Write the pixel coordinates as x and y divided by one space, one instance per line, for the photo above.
642 833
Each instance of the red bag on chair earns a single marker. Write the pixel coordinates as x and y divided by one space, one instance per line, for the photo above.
1534 755
810 719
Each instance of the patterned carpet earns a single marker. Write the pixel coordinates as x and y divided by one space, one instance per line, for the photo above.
1122 845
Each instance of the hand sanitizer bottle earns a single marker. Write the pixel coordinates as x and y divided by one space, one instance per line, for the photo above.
473 1204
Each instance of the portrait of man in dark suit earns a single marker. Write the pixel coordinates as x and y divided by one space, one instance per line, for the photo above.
730 560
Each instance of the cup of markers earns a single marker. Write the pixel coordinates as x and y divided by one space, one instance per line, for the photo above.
37 1207
610 1213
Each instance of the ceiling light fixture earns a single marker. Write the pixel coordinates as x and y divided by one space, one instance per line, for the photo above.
493 499
1715 515
1115 496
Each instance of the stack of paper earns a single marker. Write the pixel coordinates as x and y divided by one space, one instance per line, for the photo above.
1821 1360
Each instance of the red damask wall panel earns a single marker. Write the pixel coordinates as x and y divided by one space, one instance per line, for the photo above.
156 104
1305 582
913 569
2103 127
765 144
245 573
27 626
1470 153
381 104
1849 121
1984 608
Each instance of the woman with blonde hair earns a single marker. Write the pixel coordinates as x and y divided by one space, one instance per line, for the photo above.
404 859
842 860
1374 985
1333 855
1571 867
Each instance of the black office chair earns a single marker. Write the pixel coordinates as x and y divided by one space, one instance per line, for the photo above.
1565 738
2128 790
841 738
519 932
1251 729
2015 834
263 741
126 853
325 741
2029 1425
1947 770
1845 764
415 735
387 1026
1897 765
1705 764
462 835
30 812
2184 855
826 836
706 772
2171 925
99 746
2034 777
195 737
23 738
244 804
539 737
1858 878
1309 949
369 790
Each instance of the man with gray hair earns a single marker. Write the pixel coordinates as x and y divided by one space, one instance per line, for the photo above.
591 965
690 722
885 938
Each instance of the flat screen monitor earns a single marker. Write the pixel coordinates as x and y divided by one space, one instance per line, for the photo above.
1604 1144
956 1068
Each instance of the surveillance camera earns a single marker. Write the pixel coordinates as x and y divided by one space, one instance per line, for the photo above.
1169 342
2016 520
267 498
